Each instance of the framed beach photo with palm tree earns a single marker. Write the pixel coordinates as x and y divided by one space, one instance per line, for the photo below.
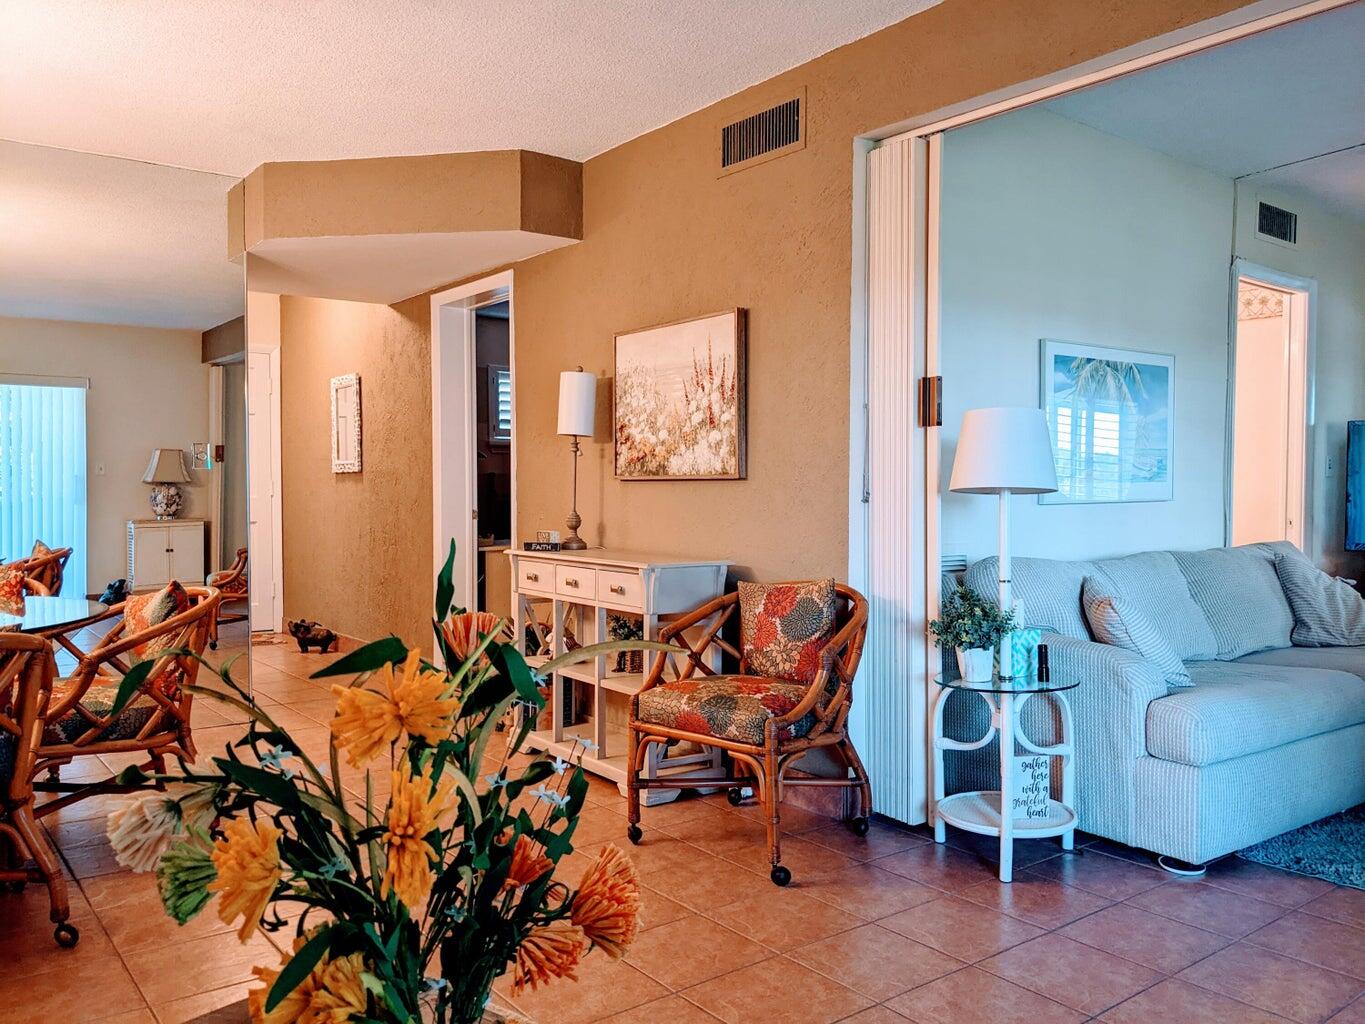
1111 413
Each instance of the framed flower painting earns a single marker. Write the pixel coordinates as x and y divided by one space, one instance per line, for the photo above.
679 408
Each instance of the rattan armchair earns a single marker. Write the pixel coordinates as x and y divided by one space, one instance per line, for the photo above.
26 671
231 583
816 717
47 569
156 721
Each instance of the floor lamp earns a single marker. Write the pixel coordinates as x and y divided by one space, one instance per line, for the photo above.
1004 451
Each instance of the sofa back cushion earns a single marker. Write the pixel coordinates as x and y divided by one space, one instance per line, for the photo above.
1118 622
1050 591
785 626
1241 596
1328 612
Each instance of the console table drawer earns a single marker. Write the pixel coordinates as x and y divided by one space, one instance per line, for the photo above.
537 576
620 588
575 581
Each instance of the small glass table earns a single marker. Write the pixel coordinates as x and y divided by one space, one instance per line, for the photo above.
42 614
980 811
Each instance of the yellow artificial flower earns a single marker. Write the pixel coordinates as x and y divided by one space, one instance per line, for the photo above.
607 905
331 994
551 951
414 810
528 865
248 866
463 632
366 722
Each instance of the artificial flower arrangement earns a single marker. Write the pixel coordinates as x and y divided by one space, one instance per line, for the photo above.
411 911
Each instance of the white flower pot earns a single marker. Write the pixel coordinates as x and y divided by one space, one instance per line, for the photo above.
976 663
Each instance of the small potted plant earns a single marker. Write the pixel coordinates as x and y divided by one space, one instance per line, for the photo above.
973 626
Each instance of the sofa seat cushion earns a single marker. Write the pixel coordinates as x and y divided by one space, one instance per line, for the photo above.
1342 659
733 708
1241 597
1238 709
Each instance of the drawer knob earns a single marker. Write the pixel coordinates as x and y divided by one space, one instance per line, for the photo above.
618 589
571 583
533 577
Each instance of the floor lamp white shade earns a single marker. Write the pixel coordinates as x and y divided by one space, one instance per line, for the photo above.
1004 451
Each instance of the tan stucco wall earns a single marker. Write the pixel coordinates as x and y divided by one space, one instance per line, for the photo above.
357 545
664 238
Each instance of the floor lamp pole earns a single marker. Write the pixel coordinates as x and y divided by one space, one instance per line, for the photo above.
1005 595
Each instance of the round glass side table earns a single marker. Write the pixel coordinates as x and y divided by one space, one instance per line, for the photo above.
980 811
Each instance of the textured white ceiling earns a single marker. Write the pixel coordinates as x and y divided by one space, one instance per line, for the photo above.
225 87
92 238
1290 94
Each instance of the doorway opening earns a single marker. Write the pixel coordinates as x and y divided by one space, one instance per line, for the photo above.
1270 408
473 426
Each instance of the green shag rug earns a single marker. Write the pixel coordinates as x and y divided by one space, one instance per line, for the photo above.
1333 849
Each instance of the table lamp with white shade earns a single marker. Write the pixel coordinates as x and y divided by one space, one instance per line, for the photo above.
1004 451
577 411
166 469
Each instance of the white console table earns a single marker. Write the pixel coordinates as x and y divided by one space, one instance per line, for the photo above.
581 588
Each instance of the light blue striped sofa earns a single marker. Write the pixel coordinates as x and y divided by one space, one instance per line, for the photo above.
1269 737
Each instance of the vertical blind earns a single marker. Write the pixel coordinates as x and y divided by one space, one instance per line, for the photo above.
42 474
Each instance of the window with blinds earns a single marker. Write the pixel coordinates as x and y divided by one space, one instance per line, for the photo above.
499 404
42 470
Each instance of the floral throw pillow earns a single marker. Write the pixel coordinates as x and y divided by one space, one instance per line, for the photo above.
142 611
39 550
785 626
11 589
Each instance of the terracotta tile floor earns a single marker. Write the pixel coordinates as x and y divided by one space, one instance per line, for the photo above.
880 930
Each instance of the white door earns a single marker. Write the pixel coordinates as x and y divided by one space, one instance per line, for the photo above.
453 434
261 489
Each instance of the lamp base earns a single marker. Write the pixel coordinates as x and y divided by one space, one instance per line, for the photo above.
166 501
573 542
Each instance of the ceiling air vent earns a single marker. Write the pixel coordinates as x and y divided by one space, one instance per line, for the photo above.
1277 225
764 135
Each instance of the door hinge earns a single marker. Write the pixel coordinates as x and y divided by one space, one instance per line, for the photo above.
931 401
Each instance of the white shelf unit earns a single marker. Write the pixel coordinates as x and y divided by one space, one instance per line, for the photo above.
581 588
161 550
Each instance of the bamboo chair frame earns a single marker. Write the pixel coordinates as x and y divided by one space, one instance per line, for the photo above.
167 730
47 569
26 672
225 581
766 765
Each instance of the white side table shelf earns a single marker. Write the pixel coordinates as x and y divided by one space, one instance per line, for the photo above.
979 811
581 588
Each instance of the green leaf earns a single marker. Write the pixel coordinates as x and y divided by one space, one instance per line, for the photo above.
389 651
132 776
131 684
582 654
509 663
445 586
299 967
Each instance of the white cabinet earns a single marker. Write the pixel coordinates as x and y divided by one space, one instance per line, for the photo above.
560 593
161 550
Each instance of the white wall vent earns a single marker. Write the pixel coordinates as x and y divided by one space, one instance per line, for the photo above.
1275 224
763 135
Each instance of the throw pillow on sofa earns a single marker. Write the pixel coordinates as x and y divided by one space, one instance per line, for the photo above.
1327 611
1241 597
1117 622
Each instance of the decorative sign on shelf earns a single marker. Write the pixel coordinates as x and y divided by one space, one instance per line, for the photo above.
1032 784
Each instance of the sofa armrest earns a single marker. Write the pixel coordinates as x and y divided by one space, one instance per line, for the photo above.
1110 702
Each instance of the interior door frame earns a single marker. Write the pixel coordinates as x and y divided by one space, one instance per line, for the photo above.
454 419
915 293
1303 313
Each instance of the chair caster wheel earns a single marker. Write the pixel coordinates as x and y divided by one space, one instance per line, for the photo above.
66 935
780 875
735 795
634 834
859 826
213 645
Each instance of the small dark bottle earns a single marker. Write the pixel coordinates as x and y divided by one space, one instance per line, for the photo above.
1044 673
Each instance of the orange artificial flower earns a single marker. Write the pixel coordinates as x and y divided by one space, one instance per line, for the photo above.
248 865
607 905
331 994
528 864
414 810
414 703
463 632
548 952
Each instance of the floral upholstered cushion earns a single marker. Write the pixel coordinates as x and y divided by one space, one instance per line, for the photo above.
785 626
727 707
143 611
39 550
98 701
12 589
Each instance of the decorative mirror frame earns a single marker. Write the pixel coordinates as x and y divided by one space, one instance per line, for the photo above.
346 422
